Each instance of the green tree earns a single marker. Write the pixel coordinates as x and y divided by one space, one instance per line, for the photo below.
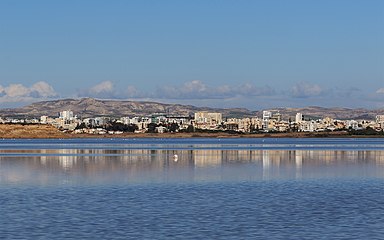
173 127
151 128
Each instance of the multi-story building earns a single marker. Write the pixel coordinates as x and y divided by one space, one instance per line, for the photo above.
299 117
67 115
266 117
270 118
66 120
207 120
380 121
380 118
308 126
352 124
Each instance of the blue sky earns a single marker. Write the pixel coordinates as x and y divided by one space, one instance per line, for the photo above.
254 54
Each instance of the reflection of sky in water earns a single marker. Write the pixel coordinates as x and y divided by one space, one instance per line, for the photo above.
197 143
88 161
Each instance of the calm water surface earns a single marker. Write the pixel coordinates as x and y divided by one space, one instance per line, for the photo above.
192 189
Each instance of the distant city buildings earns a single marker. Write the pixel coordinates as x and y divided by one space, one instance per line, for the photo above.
270 121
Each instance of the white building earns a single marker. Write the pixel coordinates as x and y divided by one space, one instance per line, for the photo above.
352 124
125 120
66 120
67 115
44 119
266 117
207 119
307 126
380 119
299 117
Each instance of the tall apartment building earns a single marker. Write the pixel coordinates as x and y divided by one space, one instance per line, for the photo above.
299 117
66 115
66 120
266 116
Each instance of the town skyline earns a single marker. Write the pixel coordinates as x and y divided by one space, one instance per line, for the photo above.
211 122
98 117
252 54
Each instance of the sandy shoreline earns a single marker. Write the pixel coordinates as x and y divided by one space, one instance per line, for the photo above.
12 131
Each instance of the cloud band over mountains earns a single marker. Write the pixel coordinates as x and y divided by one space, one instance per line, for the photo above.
21 93
194 89
197 90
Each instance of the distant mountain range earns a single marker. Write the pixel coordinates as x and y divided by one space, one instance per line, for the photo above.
89 107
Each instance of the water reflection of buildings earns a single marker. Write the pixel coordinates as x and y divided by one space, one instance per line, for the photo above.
133 163
142 158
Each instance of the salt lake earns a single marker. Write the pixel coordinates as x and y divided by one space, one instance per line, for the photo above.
194 188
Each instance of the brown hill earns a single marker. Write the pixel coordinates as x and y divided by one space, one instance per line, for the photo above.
89 107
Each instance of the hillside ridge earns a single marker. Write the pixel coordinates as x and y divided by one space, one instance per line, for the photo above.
90 107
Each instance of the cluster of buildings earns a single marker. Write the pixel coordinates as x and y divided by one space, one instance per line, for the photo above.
270 121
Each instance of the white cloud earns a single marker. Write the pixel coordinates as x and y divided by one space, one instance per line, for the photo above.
132 92
20 93
17 90
107 89
103 87
196 89
102 90
380 91
195 86
305 90
43 89
2 91
192 89
249 89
